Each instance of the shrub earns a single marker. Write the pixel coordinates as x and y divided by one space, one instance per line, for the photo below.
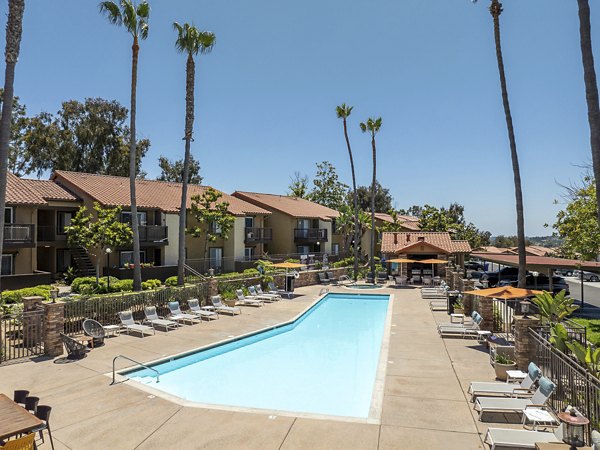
171 281
251 272
122 286
154 283
15 296
79 282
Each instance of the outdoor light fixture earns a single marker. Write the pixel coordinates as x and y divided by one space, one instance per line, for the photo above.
108 251
54 294
525 308
574 424
535 277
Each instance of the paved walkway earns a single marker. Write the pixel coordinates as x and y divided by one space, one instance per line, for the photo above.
424 403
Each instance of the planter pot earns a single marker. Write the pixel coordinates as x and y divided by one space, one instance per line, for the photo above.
230 302
459 310
501 369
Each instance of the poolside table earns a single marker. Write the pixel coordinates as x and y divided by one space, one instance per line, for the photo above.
14 419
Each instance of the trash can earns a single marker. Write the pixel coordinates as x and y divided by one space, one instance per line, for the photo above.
452 297
289 282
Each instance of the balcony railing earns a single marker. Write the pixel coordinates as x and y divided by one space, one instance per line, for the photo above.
19 235
258 235
310 234
154 233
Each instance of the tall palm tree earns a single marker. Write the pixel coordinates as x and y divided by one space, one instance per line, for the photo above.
343 112
135 20
14 30
192 41
372 127
591 91
495 11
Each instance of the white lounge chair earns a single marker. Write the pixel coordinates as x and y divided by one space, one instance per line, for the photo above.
196 309
129 324
220 307
248 300
500 388
474 317
256 296
502 404
504 437
180 316
155 320
458 329
275 297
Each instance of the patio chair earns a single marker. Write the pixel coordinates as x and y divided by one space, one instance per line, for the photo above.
256 296
75 350
401 281
461 330
155 320
180 316
126 318
31 404
19 396
43 413
415 279
502 404
323 278
247 301
499 388
381 277
23 443
220 307
474 317
504 437
332 279
94 329
195 308
275 297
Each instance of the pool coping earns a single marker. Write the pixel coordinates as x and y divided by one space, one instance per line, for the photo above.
375 408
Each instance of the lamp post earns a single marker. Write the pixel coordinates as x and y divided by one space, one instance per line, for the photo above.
525 304
535 277
54 294
108 251
574 427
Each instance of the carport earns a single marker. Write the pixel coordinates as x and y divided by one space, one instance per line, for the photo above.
542 264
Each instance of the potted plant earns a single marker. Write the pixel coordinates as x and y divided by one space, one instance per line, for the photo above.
502 364
458 306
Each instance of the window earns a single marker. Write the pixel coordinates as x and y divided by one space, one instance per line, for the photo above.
215 228
248 253
334 226
63 259
303 224
7 265
63 219
9 214
303 249
216 257
127 257
335 249
249 222
142 217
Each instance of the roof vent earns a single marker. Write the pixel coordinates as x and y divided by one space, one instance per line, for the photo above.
395 238
407 237
421 238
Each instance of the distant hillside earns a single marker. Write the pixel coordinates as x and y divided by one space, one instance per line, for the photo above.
511 241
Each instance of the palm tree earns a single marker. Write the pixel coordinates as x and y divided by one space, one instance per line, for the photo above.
591 91
192 41
343 112
495 11
14 30
372 127
135 20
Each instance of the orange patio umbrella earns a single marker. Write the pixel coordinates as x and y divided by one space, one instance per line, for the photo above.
401 261
432 262
504 292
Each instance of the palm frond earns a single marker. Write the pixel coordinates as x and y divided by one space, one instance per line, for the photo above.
143 29
343 111
206 41
129 16
143 10
112 12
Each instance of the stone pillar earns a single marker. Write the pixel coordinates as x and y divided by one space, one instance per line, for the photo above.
54 324
523 341
213 287
32 323
486 309
468 299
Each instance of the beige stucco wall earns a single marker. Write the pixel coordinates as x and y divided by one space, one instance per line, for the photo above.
283 233
171 254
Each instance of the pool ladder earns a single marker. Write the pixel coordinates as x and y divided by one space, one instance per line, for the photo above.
133 361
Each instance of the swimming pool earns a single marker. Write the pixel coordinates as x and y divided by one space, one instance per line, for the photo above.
325 363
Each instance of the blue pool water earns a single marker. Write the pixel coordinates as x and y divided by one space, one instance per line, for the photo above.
323 363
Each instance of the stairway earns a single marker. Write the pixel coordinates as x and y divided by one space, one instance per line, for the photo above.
85 268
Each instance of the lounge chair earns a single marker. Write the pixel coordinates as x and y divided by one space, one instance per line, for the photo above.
220 307
155 320
180 316
427 281
504 437
382 277
256 296
459 329
94 329
195 308
499 388
331 278
75 350
275 297
323 278
475 317
248 301
494 404
129 324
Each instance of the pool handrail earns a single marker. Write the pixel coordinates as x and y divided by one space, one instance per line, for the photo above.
134 361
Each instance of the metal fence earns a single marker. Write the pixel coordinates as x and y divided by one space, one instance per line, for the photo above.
21 335
105 308
575 385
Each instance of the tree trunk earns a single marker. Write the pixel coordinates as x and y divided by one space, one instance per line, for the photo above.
137 267
373 231
189 126
355 196
496 10
591 91
14 30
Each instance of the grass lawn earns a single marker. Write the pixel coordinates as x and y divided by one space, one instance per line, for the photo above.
593 329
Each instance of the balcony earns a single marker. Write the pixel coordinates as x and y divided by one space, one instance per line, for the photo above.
154 234
310 235
19 235
258 235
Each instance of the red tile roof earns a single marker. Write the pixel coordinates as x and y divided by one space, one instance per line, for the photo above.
150 194
400 241
49 190
409 222
292 206
539 261
19 193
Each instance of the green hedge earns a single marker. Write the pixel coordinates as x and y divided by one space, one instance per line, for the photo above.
11 297
151 284
171 281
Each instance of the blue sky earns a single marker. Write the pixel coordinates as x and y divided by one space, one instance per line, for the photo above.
266 95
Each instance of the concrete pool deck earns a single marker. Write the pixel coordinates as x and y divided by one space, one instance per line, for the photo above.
424 403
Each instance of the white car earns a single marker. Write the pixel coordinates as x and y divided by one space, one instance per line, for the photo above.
587 276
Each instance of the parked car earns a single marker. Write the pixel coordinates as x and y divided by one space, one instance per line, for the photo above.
564 272
542 283
505 274
587 276
475 265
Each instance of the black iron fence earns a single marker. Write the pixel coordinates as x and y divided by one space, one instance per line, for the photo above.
575 386
21 335
105 308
